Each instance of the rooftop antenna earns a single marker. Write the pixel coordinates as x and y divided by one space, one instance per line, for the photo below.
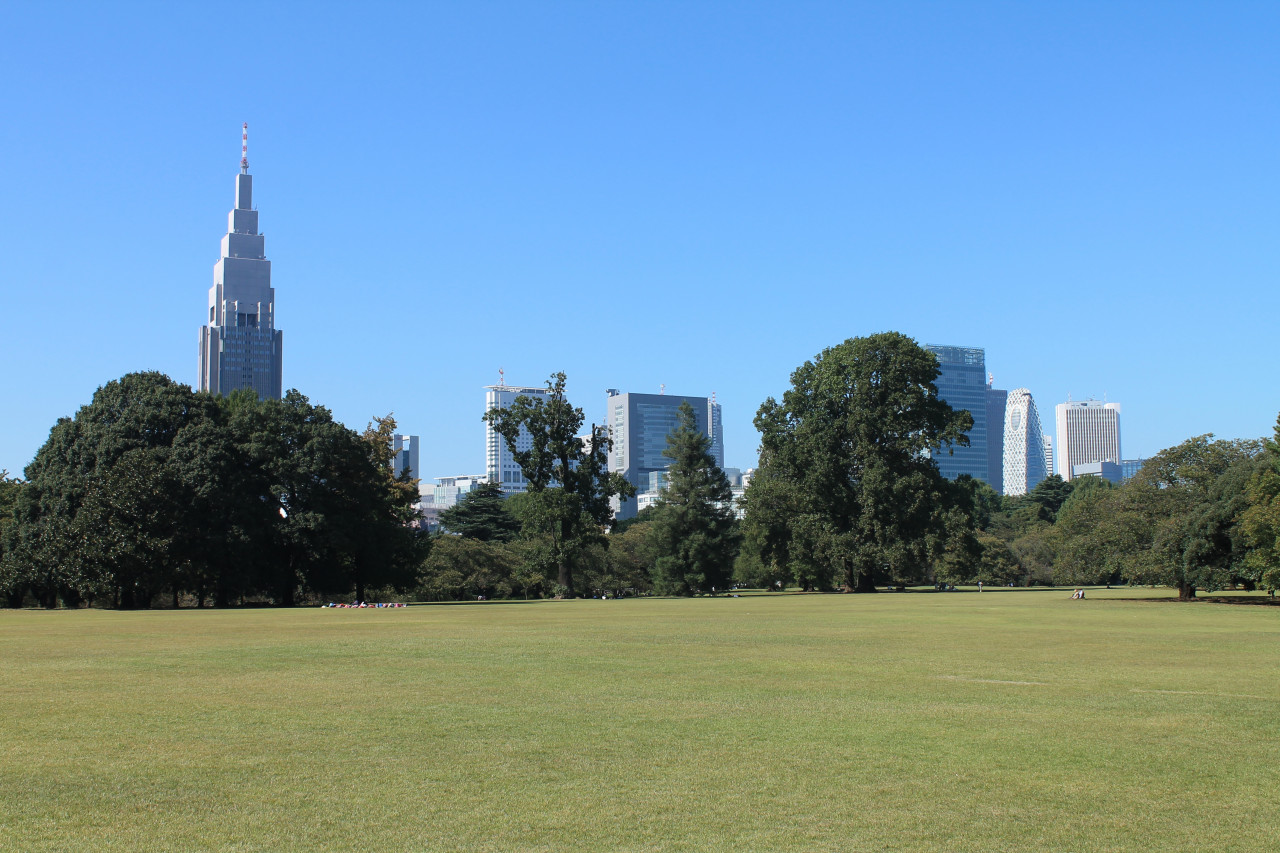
662 389
501 376
244 149
991 380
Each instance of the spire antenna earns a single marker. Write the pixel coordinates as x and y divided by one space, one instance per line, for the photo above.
244 149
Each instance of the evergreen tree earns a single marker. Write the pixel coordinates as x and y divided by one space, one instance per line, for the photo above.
694 533
481 514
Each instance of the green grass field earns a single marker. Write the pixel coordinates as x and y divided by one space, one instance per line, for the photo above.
1002 721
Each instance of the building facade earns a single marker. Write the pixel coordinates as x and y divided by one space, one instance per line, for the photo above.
1024 460
1088 432
997 400
639 425
499 465
240 346
962 383
1048 454
405 448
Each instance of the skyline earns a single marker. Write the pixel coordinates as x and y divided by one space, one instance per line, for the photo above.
705 197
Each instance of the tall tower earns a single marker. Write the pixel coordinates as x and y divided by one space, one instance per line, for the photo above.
1025 462
962 383
241 347
499 465
1088 432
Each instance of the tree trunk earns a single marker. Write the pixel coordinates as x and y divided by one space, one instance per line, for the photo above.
865 584
564 571
359 590
1186 591
14 598
175 599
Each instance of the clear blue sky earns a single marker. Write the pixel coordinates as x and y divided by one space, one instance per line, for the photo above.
698 194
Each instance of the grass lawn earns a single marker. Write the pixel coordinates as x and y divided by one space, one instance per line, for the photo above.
1009 720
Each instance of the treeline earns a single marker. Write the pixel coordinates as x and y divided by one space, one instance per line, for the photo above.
558 538
846 495
154 494
154 491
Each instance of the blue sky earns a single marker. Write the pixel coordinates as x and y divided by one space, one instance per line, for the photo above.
701 195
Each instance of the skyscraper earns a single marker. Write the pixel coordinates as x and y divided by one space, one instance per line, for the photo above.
1024 446
405 448
996 402
241 347
500 467
639 425
1088 432
962 383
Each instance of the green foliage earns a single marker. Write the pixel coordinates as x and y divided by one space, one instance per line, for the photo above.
1051 493
695 537
153 488
567 507
482 514
1260 520
459 567
846 491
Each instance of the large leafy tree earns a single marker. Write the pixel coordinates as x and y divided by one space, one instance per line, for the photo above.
694 533
1176 522
1260 520
569 482
846 490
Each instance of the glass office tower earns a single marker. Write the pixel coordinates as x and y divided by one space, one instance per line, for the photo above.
962 383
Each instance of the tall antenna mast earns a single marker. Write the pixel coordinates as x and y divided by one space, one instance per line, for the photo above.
244 149
501 377
662 389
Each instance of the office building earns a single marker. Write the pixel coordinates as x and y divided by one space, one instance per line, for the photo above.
500 467
405 458
1109 471
639 425
997 400
1024 460
1129 468
1088 432
241 347
962 383
1048 454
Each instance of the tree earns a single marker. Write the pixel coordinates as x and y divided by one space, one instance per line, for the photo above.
459 568
1051 493
569 482
1175 522
1260 520
694 532
482 514
10 586
848 487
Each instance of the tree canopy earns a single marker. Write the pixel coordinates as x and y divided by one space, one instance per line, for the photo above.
846 491
569 483
693 530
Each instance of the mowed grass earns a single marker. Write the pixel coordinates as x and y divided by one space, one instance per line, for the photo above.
1001 721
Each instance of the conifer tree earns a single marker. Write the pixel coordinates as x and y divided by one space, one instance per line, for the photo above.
694 534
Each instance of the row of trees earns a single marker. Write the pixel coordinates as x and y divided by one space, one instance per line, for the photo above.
847 495
559 538
155 489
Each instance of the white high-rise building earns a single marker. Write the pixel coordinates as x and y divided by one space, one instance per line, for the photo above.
499 466
1088 432
241 347
1048 454
1024 458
